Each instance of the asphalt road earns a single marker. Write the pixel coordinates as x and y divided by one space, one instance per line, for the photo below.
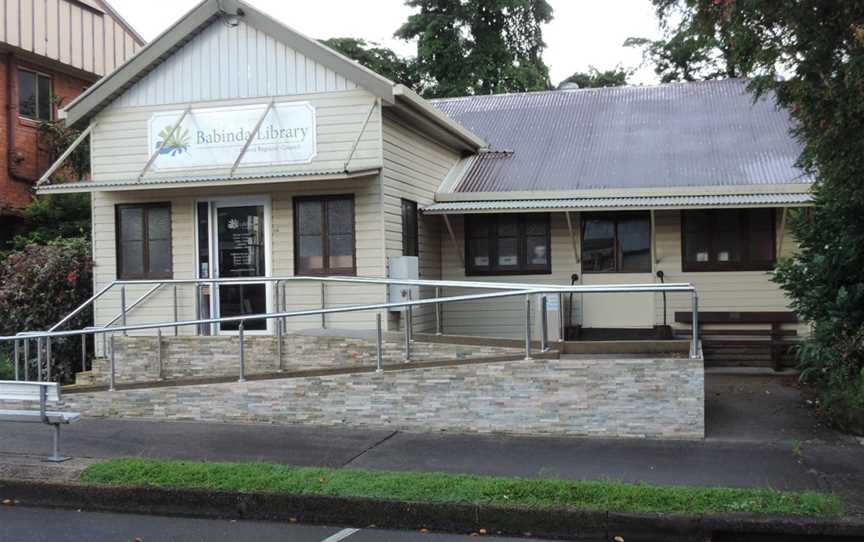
20 524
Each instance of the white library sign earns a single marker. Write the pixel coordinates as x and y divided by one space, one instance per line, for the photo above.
215 136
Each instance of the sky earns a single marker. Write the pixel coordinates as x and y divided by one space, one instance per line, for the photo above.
583 33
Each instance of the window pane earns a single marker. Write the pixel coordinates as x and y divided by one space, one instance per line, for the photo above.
697 236
160 257
45 106
131 258
159 223
409 229
727 237
203 240
634 243
131 224
341 251
761 235
508 251
27 94
508 226
241 241
537 252
536 225
309 219
340 216
478 226
598 245
478 253
310 253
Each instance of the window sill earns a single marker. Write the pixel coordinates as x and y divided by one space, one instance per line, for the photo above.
730 269
508 273
28 122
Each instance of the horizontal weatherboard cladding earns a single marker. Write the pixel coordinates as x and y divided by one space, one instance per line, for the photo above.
709 133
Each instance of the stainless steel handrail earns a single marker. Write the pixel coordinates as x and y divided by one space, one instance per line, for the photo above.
133 305
510 290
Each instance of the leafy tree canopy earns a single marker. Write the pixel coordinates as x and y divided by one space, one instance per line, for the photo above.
594 78
478 46
811 54
694 48
379 59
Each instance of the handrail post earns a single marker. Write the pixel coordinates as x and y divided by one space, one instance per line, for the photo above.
242 352
159 353
528 327
694 344
323 305
16 343
544 325
112 376
48 359
26 360
84 352
285 305
407 325
562 328
39 359
123 307
410 317
438 327
279 346
176 312
378 344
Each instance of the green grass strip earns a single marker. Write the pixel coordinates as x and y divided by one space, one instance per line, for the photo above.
440 487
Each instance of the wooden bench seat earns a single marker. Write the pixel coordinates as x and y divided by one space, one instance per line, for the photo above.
769 345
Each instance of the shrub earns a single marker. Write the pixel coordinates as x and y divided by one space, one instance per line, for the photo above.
41 284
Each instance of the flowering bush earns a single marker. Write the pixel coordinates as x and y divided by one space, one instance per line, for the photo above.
41 284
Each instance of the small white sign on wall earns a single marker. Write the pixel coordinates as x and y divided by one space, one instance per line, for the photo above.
213 137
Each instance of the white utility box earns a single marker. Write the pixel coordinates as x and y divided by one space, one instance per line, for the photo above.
403 267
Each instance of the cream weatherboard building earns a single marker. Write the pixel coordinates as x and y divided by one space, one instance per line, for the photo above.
233 146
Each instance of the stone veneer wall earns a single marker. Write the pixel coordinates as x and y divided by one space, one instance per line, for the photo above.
137 357
636 397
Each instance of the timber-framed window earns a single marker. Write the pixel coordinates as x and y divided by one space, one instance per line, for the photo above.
410 231
507 244
324 236
143 241
728 240
616 242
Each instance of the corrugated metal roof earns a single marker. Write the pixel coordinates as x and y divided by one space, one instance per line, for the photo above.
641 202
707 133
161 181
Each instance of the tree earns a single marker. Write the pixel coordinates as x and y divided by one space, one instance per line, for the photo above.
694 49
479 46
594 78
379 59
810 53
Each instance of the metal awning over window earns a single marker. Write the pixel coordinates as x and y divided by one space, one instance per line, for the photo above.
614 203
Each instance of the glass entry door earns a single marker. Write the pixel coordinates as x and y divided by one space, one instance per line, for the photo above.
238 249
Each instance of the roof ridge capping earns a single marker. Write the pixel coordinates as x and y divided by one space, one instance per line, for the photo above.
706 82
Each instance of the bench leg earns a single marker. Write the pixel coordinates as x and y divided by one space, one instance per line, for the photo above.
55 457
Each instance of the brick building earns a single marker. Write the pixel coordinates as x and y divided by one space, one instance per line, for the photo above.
50 51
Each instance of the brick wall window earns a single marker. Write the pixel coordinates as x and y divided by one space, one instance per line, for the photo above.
35 95
144 241
324 236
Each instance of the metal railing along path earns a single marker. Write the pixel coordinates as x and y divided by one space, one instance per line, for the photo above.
43 338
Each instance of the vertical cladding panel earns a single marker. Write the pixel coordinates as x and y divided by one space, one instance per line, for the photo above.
88 40
257 64
25 39
99 45
64 37
77 51
40 37
414 168
119 45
